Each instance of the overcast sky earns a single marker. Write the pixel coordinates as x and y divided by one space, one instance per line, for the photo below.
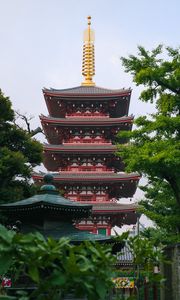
41 44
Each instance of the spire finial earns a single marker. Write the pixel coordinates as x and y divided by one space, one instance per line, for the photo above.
88 66
89 20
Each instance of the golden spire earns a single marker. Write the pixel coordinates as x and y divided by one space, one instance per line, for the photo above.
88 66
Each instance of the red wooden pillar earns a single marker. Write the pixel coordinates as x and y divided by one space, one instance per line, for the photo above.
108 230
94 229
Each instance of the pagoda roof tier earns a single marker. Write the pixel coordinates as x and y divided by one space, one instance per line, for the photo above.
114 213
76 177
80 148
123 185
113 207
87 121
54 156
91 91
123 214
58 101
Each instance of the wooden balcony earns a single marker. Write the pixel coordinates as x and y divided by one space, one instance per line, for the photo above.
87 140
87 114
93 198
77 169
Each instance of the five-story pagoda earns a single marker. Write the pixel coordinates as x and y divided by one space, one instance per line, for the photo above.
81 132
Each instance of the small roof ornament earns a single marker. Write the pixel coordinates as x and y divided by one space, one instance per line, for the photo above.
88 65
48 178
48 186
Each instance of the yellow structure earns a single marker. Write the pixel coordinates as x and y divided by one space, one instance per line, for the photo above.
88 66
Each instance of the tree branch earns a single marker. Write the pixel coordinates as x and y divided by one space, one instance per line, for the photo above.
25 119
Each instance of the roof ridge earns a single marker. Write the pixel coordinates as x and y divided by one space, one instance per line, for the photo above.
122 175
86 89
89 119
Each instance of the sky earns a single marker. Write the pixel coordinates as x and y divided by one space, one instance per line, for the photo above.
41 45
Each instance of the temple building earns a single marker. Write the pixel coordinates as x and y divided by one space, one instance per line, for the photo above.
81 133
52 215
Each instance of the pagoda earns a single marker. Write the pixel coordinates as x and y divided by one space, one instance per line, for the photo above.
81 132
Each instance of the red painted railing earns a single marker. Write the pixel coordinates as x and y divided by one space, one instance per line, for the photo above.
77 169
94 198
87 115
87 140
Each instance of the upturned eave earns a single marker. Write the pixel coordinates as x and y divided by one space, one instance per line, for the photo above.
114 177
87 121
82 91
80 148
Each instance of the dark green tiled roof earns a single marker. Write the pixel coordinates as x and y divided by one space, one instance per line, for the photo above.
49 201
51 215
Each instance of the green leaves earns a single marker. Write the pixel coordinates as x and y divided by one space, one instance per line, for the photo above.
160 78
33 272
6 111
154 147
6 236
6 249
18 154
56 267
144 253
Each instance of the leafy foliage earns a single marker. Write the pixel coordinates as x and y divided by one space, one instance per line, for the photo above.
162 208
160 77
56 268
19 153
145 253
154 148
147 259
147 256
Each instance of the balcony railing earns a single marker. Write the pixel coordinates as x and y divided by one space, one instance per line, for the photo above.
77 169
87 115
87 140
88 198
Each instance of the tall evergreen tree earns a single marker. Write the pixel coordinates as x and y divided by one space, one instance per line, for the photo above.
19 153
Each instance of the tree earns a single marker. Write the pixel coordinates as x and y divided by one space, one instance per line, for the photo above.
161 206
154 148
19 153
